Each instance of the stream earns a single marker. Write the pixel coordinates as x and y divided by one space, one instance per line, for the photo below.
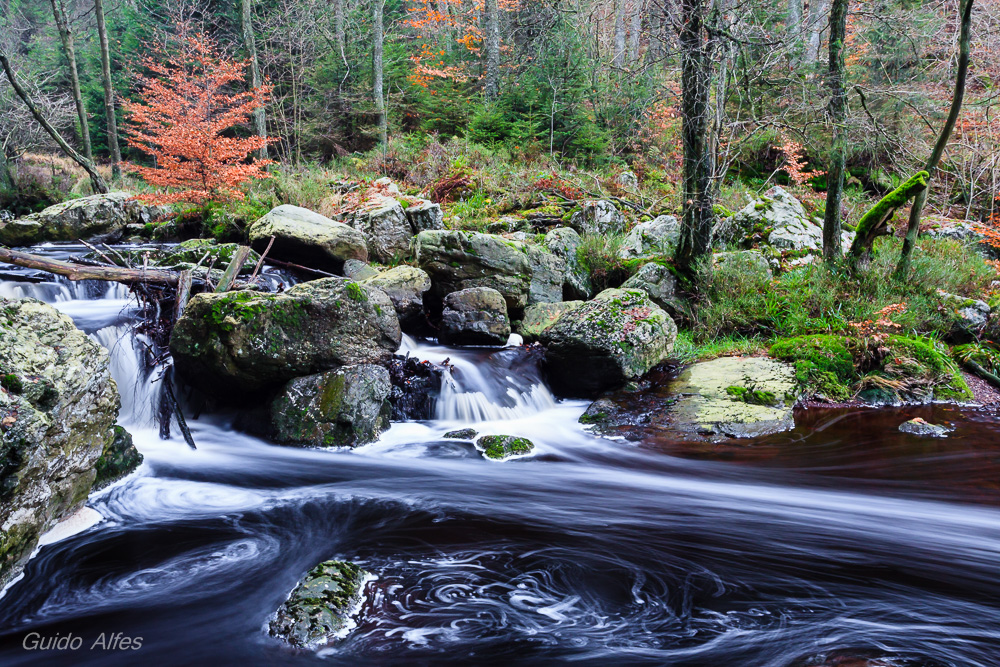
840 539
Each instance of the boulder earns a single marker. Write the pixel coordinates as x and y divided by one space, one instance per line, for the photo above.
660 285
457 260
504 447
598 217
739 397
475 316
308 238
461 434
58 406
425 215
654 237
564 242
345 407
971 315
83 218
777 218
540 317
386 229
405 287
240 342
923 428
319 610
746 262
627 180
617 337
357 270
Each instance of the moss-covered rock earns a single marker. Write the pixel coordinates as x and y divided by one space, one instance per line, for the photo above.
503 447
461 434
475 316
564 242
119 458
598 217
660 284
239 342
319 610
308 238
405 286
540 317
182 256
653 238
824 364
83 218
617 337
58 405
345 407
735 396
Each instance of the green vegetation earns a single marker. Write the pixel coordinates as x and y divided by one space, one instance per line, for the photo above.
500 447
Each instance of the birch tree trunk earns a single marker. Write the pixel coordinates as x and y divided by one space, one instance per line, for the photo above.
250 44
109 92
378 95
62 24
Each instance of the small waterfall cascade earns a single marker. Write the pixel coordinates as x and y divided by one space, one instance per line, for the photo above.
483 386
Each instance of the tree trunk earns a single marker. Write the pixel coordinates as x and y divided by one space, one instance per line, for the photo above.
634 31
378 94
75 271
618 60
699 161
250 44
97 183
109 92
339 34
817 12
492 44
913 225
793 27
62 24
838 115
874 223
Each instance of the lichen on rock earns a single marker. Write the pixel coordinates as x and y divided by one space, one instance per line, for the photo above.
504 447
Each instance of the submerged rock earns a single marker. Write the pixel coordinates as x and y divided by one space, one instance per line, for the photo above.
922 427
346 407
476 316
319 610
740 397
617 337
541 317
415 387
58 406
308 238
239 342
461 434
82 218
503 447
459 260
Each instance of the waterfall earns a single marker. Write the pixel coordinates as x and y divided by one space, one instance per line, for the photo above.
137 383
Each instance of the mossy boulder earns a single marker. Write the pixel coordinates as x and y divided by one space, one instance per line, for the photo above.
345 407
425 215
475 316
101 215
598 217
923 428
461 434
739 397
457 260
405 286
654 237
386 229
617 337
309 238
236 343
540 317
504 447
893 370
660 284
319 610
118 459
58 406
777 219
564 242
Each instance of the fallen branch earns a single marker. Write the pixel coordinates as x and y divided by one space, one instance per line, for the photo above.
976 369
74 271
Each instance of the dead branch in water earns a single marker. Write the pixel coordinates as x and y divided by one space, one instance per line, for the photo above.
75 271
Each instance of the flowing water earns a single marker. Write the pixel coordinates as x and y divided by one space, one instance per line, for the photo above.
843 539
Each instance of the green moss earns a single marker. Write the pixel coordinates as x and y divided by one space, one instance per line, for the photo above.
752 396
333 395
499 447
824 364
356 293
11 383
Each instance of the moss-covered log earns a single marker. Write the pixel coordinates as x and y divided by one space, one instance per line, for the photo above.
874 223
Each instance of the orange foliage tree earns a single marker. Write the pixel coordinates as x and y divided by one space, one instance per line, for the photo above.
184 117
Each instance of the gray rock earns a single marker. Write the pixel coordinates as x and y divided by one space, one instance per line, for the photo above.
540 317
617 337
598 217
308 238
405 286
504 447
475 316
660 285
780 219
461 434
81 218
627 180
564 242
972 314
739 397
386 229
548 272
357 270
319 609
652 238
387 186
747 262
239 342
924 428
457 260
956 230
58 406
345 407
425 215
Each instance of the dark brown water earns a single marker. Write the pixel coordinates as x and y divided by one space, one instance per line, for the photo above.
841 538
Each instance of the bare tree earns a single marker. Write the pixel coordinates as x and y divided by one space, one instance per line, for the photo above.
378 94
618 57
838 116
66 35
250 44
109 92
492 44
635 30
817 21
